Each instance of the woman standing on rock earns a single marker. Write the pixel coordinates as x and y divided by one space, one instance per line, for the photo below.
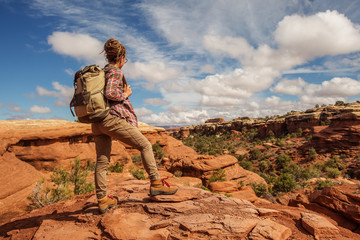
121 124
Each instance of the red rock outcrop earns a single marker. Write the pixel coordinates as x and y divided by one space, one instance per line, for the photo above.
50 144
189 214
288 123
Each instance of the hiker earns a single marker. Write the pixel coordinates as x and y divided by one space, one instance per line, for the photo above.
121 124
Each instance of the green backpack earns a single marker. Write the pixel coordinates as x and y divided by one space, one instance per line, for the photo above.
89 102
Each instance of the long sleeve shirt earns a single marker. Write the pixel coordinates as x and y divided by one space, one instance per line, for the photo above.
114 91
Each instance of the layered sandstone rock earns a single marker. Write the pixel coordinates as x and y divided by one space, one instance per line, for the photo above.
290 122
197 215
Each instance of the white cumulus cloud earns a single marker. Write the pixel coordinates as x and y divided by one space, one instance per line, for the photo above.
153 72
291 87
39 109
63 93
77 45
155 101
325 33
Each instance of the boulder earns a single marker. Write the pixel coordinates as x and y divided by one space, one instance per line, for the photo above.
319 226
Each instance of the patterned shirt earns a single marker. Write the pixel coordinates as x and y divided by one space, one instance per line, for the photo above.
120 106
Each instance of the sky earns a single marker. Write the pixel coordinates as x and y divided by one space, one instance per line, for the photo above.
188 61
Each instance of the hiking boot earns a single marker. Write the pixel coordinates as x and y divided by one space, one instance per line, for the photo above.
161 187
106 203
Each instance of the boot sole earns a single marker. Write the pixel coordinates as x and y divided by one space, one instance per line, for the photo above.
155 193
102 211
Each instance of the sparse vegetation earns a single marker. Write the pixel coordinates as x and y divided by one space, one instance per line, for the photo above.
158 151
278 158
284 183
136 159
320 184
119 168
218 175
312 155
178 173
64 185
138 173
260 189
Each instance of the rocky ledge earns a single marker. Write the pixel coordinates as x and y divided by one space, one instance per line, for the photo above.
191 213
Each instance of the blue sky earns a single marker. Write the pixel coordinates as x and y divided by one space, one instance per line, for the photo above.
188 60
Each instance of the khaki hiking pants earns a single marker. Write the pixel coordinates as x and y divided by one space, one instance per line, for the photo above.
118 128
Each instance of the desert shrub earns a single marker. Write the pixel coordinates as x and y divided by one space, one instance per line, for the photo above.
119 168
280 142
228 195
42 196
65 184
269 178
340 103
334 162
271 135
78 177
158 151
296 171
91 165
217 175
178 173
210 144
282 161
332 172
312 155
284 183
251 134
136 159
299 132
246 165
204 188
264 165
138 173
241 184
308 138
255 154
312 173
326 122
260 189
242 156
320 184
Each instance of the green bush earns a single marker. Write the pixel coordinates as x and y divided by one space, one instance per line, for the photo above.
218 175
280 142
269 178
332 172
296 171
334 162
138 173
282 161
78 177
91 165
312 155
65 185
255 154
246 165
158 151
320 184
119 168
136 159
260 189
308 138
242 157
264 165
284 183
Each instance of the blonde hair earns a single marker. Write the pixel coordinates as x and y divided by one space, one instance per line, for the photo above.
114 50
